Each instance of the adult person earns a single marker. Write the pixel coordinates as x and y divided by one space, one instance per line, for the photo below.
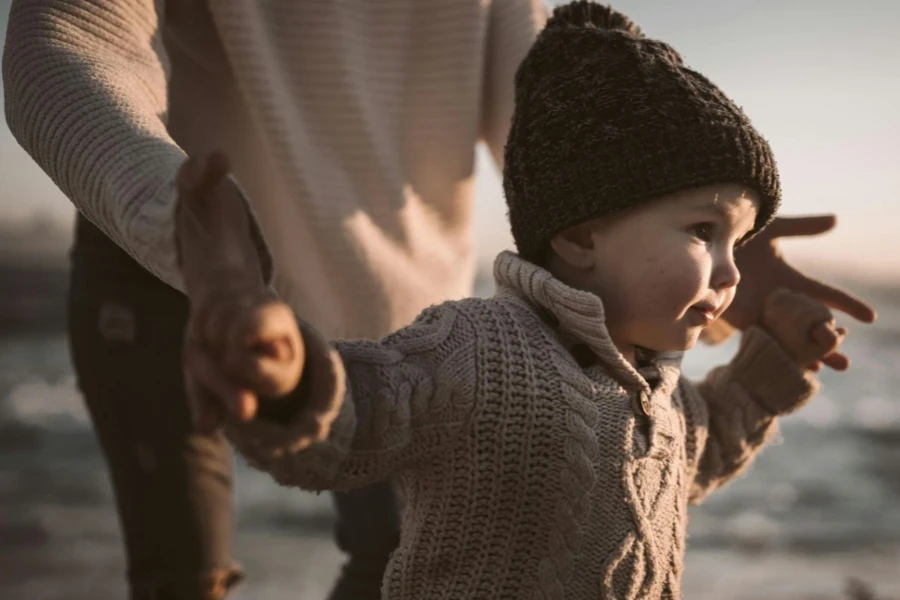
351 127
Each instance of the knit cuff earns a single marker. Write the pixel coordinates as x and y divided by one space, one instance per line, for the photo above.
320 417
770 375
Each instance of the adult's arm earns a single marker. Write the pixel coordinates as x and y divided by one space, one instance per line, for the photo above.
513 25
86 95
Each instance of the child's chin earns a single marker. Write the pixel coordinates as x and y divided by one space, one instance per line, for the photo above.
682 347
691 340
680 343
675 338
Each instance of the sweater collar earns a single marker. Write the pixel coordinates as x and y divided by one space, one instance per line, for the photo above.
580 318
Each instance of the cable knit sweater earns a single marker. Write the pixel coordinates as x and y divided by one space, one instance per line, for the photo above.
351 124
525 474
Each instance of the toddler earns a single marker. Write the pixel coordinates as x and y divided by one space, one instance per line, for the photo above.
545 441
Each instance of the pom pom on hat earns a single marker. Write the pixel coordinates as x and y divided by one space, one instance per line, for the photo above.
591 15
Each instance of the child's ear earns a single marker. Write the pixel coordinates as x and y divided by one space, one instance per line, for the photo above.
575 246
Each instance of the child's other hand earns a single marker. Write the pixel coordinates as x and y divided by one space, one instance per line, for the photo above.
805 328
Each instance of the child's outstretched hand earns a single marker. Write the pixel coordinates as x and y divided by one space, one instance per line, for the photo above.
241 344
805 328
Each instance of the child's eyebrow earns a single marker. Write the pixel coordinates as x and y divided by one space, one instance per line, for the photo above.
720 210
712 207
723 209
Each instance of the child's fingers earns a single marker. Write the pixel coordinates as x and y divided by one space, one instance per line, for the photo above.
268 352
837 361
825 335
254 342
238 403
829 340
232 322
789 310
806 329
270 320
266 376
264 325
806 310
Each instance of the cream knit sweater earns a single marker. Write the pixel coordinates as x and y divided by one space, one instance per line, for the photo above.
526 475
351 124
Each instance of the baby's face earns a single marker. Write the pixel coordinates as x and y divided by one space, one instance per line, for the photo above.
666 270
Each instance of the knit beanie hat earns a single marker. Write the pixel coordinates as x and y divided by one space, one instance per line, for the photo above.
606 119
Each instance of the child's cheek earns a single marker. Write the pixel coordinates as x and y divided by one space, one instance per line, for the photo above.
660 299
729 298
678 286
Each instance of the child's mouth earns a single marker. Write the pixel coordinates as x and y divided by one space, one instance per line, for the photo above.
704 314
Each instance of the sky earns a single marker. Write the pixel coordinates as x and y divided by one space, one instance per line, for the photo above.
820 80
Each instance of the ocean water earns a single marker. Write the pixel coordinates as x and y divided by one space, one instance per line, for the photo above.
820 507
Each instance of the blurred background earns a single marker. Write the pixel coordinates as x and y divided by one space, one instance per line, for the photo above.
822 508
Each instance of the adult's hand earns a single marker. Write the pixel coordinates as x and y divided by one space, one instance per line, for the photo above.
215 250
239 341
763 269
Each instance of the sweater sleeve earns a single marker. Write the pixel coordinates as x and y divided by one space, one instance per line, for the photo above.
391 404
732 413
513 26
86 96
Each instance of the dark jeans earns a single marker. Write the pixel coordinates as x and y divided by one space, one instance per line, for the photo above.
173 488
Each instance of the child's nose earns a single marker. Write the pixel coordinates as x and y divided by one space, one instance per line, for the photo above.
726 275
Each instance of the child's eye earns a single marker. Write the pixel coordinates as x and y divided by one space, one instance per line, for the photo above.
702 231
